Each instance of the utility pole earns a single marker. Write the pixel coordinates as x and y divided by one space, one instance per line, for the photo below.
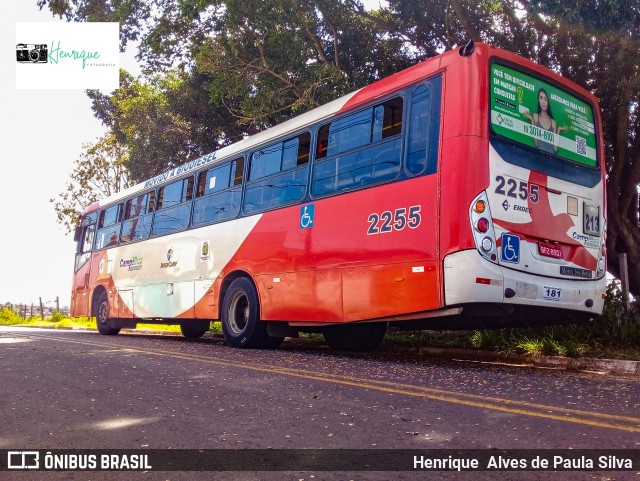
41 309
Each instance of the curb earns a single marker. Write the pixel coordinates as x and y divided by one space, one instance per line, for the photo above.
614 367
611 367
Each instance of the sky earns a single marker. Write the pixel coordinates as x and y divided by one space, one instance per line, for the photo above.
42 135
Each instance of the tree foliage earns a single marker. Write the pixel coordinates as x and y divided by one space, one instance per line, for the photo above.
99 172
217 70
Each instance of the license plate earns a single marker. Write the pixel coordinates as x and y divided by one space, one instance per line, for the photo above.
549 250
551 293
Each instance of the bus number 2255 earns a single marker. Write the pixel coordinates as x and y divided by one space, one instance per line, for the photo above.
398 220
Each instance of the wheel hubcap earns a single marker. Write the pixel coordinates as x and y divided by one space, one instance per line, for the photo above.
238 312
103 313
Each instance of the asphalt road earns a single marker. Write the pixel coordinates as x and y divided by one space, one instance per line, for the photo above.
79 390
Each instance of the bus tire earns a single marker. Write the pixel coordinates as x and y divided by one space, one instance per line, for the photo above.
194 329
355 337
103 322
241 324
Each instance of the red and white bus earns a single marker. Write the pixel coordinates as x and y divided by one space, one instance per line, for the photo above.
465 191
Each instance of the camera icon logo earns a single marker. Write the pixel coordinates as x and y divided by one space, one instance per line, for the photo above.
32 53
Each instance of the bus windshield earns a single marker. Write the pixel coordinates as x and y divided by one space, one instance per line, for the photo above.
534 113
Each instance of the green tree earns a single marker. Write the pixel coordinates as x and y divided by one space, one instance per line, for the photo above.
164 120
99 172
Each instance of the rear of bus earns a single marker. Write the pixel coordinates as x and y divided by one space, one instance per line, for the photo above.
536 213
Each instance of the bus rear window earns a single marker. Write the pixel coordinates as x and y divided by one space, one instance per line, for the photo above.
537 114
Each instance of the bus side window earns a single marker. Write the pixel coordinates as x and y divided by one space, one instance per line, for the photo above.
108 233
238 169
170 195
137 217
350 132
173 210
219 193
289 161
265 161
152 201
89 232
187 194
214 180
392 117
363 148
296 151
424 128
322 143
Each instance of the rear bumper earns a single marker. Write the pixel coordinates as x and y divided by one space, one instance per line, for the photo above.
470 279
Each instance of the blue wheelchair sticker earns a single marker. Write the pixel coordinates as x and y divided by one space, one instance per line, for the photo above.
307 216
510 251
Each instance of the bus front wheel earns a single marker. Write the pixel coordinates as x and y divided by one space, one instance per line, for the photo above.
355 337
103 322
241 324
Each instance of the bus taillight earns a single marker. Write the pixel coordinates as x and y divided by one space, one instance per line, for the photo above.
487 244
480 207
482 227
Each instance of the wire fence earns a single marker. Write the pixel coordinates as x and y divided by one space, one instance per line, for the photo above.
42 308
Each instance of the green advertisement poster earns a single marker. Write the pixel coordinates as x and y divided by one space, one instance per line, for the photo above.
535 113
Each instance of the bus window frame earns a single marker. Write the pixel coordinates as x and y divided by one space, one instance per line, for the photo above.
433 138
234 183
149 211
187 195
402 136
117 225
247 183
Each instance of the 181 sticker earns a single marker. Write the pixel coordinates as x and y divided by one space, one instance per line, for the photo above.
552 293
397 220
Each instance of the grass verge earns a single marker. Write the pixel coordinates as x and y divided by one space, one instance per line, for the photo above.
614 335
59 321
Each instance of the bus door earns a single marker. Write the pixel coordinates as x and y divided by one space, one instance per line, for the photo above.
81 294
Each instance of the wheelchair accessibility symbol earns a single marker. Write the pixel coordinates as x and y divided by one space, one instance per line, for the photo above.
510 251
306 216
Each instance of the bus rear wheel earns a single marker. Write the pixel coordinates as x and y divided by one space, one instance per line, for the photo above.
103 321
241 324
194 329
355 337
